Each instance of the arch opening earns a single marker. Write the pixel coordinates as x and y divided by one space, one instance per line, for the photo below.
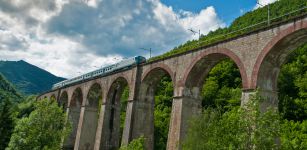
63 101
73 116
279 71
276 57
91 116
292 81
116 103
52 97
155 105
216 81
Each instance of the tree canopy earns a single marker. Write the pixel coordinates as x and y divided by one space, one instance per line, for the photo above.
43 129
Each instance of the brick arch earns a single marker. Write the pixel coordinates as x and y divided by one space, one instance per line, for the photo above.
164 67
94 95
119 78
53 97
87 92
62 101
64 92
146 97
110 137
74 103
296 27
122 81
222 52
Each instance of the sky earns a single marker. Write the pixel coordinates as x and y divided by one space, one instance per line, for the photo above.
72 37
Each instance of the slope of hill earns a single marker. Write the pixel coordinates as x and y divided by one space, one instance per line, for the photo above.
27 78
7 90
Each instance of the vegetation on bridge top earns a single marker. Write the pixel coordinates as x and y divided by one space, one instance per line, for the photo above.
280 11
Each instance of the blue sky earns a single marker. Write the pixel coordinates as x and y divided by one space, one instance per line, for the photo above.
66 37
227 10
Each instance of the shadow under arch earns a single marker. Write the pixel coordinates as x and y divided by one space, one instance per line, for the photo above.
53 97
272 57
111 132
144 123
91 116
63 101
73 117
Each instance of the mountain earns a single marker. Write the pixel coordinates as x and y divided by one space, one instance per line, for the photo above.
27 78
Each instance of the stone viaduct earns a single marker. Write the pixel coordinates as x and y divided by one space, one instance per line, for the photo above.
258 55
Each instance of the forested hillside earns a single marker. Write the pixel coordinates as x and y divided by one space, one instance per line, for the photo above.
9 97
28 78
7 90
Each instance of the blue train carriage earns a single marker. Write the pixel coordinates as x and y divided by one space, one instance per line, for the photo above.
57 85
130 62
87 75
122 64
139 59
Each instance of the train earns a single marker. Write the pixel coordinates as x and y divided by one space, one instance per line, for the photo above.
124 64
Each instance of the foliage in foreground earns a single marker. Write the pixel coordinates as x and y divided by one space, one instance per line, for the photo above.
162 112
9 97
6 122
43 129
136 144
245 128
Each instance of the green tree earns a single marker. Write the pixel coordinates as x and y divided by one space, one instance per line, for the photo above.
136 144
222 87
43 129
292 86
294 135
239 128
6 122
162 111
24 108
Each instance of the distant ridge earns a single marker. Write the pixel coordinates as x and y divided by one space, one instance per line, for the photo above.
27 78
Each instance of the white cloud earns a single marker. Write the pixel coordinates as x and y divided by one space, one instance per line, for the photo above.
263 3
207 20
70 36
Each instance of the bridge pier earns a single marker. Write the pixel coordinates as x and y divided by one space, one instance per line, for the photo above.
269 98
65 142
143 122
126 136
80 123
183 110
73 116
100 138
